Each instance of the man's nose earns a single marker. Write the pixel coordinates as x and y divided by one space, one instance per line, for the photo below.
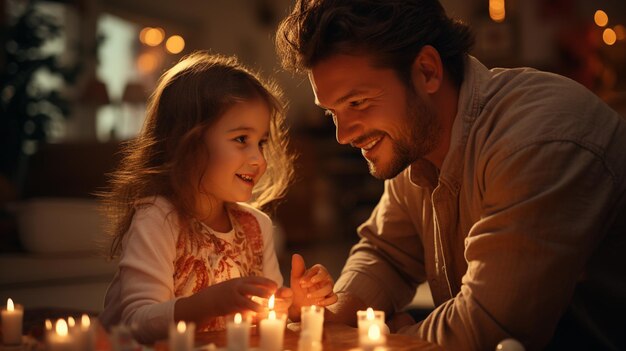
347 127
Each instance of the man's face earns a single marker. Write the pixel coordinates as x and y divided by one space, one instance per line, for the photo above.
374 110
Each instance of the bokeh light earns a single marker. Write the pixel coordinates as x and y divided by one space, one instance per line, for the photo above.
601 18
175 44
147 62
497 10
152 36
609 36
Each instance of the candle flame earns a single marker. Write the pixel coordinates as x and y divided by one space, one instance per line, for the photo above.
61 327
370 314
10 306
71 322
181 326
85 322
270 303
238 318
272 315
373 333
48 324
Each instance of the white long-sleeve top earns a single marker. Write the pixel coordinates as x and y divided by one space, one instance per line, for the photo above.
158 264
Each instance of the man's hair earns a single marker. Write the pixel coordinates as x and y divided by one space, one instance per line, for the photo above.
391 31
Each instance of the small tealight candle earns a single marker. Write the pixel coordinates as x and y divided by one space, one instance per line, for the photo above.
238 333
86 334
312 321
374 338
60 339
369 317
182 336
12 317
272 329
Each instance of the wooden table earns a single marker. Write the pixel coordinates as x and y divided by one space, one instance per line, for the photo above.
337 337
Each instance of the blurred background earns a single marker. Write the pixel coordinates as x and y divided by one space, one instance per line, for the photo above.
75 76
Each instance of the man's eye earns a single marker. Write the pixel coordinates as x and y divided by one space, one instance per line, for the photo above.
240 139
357 103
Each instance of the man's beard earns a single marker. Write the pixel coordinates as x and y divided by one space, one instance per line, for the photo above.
422 132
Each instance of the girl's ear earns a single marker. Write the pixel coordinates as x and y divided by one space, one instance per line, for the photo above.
427 70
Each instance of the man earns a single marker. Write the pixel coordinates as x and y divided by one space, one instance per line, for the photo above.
505 189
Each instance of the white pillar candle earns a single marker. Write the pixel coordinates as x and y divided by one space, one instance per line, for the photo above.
12 317
374 339
60 339
238 333
366 318
181 336
272 331
312 321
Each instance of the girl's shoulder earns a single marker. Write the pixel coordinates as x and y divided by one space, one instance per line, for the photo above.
154 207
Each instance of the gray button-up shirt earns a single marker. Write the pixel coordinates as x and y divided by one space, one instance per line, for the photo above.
521 232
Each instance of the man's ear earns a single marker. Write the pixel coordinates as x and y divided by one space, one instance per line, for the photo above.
427 70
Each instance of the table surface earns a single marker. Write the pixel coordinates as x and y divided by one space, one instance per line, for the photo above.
337 337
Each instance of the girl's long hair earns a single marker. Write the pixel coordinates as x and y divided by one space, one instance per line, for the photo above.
169 156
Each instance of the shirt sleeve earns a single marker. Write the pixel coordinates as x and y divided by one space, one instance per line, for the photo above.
271 269
386 266
146 274
543 212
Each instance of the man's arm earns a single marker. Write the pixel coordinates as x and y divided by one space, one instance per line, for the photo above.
386 266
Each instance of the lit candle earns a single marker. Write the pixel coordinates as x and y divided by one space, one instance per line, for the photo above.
86 332
374 338
182 336
48 328
12 317
312 318
238 333
366 318
60 339
272 329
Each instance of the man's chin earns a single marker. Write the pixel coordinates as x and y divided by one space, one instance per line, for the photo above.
382 171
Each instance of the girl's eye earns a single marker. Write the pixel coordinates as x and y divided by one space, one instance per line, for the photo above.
240 139
262 144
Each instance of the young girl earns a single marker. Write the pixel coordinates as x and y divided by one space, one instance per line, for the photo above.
191 248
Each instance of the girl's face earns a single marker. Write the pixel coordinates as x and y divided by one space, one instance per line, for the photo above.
236 161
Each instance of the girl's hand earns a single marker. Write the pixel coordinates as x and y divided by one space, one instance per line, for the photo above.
233 295
310 287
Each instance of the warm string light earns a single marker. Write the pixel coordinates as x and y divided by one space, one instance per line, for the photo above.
497 10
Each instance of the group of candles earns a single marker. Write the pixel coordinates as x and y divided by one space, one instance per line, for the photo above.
371 326
68 335
64 335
